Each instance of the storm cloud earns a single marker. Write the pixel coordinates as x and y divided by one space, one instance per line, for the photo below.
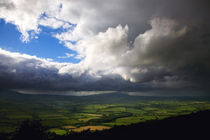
134 45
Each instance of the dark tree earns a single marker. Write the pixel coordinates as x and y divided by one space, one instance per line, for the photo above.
30 130
4 136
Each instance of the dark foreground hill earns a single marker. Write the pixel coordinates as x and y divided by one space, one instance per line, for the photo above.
193 126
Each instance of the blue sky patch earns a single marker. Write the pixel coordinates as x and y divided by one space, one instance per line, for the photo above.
45 46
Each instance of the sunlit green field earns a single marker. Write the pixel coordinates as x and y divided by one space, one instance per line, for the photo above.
66 113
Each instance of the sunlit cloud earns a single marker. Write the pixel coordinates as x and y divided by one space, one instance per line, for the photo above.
136 45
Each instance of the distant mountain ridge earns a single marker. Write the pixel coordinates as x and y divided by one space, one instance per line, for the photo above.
114 95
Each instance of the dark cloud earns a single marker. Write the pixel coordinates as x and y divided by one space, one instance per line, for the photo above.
6 4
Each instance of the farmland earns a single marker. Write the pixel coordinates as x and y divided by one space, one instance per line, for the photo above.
61 114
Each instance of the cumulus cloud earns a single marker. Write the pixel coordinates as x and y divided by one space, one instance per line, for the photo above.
51 22
29 72
67 55
123 45
25 14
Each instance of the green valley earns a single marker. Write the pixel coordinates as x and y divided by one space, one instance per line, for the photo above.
62 114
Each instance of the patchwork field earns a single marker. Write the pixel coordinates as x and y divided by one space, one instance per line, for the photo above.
62 114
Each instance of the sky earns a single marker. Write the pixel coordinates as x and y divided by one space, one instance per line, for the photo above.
93 45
